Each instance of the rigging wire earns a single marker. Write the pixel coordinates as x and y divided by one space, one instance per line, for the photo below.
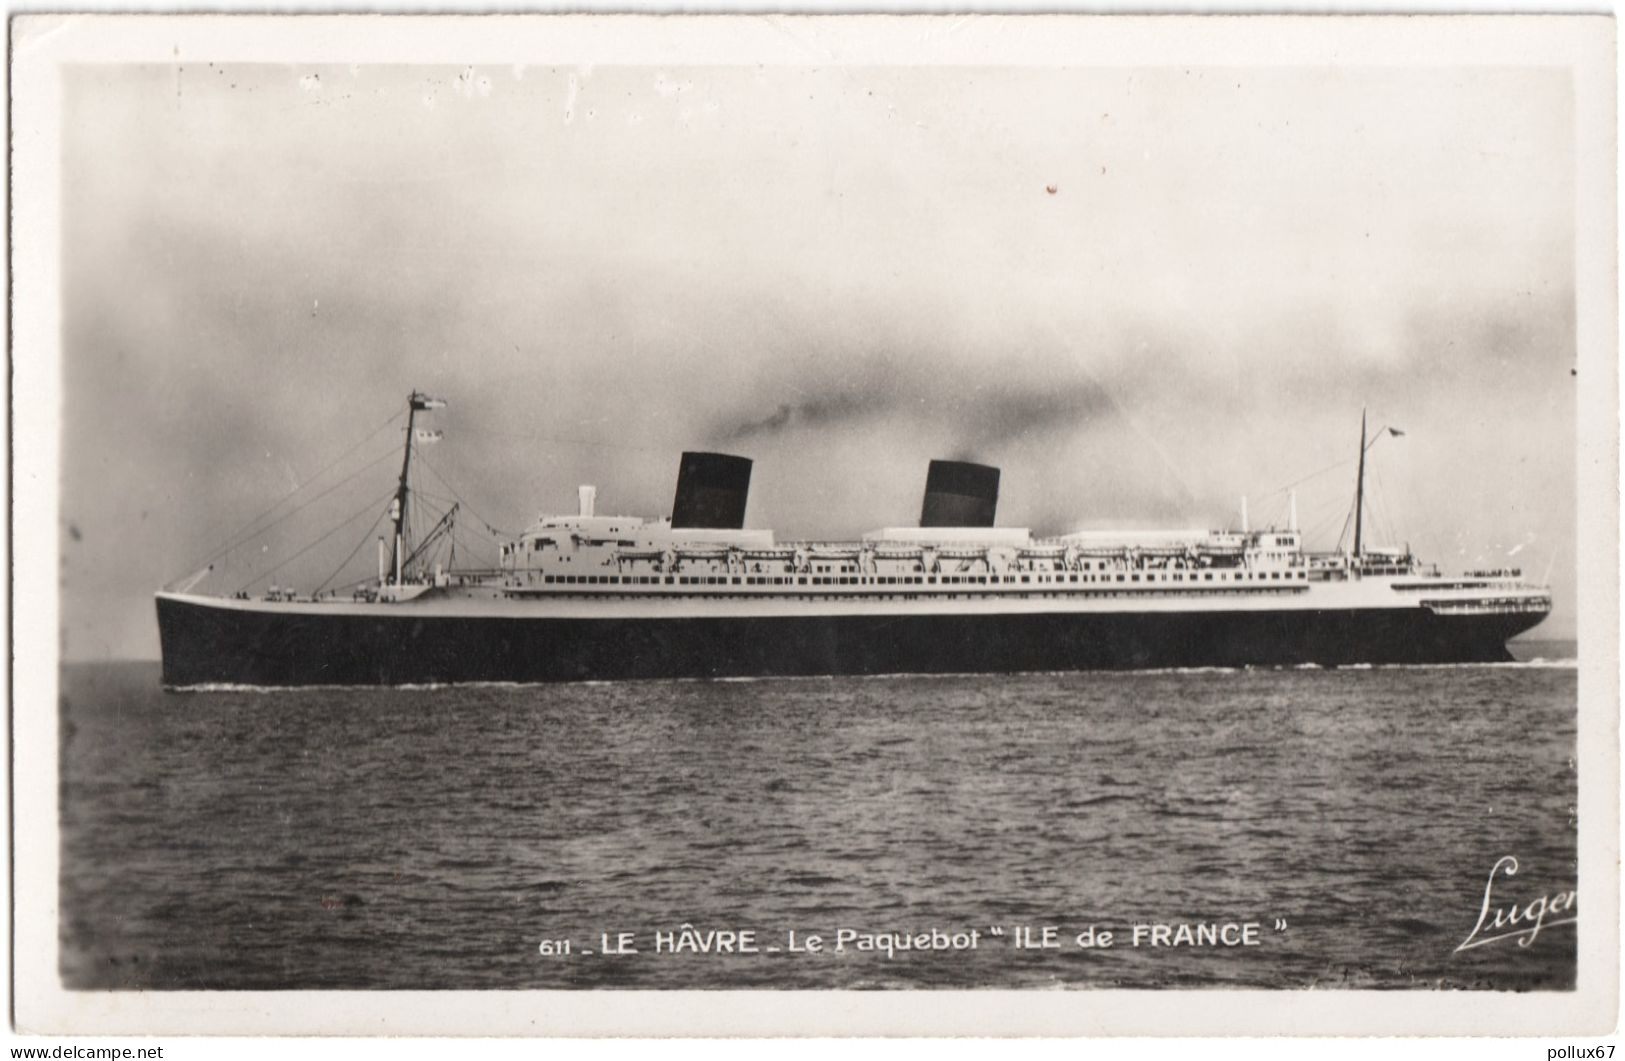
453 490
563 440
346 563
1323 526
240 537
1376 436
1299 481
1147 437
420 492
479 549
454 537
420 512
428 508
1551 562
348 520
1382 511
1422 529
413 517
1381 517
1320 523
300 508
1348 520
449 537
430 500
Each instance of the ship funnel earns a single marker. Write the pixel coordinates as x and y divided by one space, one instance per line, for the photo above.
711 492
959 494
586 496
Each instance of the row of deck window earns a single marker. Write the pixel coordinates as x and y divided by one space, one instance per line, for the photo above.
1031 594
890 580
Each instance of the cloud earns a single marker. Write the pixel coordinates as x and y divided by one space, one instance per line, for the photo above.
838 289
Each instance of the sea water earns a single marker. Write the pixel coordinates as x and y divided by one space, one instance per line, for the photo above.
491 836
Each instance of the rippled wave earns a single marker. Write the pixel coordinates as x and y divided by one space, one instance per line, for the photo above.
1569 663
431 837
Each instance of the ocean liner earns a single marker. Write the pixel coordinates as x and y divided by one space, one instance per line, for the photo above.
699 595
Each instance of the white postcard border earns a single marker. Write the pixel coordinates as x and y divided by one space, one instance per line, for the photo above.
1583 44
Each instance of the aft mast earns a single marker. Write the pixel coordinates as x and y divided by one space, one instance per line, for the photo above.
1359 492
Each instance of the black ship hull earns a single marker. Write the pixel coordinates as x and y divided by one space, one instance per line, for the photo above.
204 645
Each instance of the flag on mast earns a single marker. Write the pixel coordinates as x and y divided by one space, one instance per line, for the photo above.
423 401
429 436
1396 432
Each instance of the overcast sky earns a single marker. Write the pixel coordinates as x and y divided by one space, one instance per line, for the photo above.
1142 293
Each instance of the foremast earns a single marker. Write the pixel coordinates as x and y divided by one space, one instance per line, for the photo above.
399 550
